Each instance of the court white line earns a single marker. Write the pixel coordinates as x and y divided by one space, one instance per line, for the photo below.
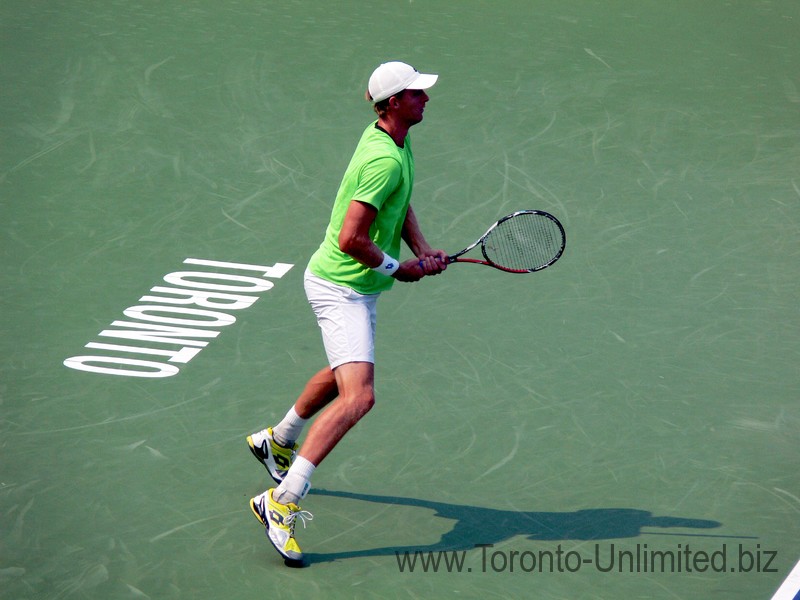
790 588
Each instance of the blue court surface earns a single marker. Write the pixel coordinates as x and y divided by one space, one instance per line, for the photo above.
622 425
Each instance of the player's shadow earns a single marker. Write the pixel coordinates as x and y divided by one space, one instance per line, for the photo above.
480 525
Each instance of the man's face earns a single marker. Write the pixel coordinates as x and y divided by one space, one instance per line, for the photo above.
411 105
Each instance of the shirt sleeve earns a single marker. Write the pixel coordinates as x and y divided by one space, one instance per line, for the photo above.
377 180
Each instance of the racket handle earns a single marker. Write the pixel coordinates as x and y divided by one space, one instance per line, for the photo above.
450 259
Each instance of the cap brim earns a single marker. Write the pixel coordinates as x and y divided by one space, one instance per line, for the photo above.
423 82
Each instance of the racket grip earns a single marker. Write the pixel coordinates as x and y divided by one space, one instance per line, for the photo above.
450 259
447 261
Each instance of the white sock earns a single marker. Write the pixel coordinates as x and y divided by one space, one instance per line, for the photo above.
296 484
289 429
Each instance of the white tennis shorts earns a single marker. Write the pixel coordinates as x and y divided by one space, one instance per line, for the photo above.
347 320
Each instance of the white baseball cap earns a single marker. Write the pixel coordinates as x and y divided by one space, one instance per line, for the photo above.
393 77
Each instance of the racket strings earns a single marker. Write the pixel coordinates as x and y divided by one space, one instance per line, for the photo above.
524 242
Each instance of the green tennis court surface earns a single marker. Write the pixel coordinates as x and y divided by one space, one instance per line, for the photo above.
621 425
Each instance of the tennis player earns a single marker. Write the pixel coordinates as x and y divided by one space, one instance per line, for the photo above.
356 262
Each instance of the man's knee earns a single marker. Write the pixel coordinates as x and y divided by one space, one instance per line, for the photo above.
356 388
361 403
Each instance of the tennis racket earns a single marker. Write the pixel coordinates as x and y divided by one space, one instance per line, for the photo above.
522 242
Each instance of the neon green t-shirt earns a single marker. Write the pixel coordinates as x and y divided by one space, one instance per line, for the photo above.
382 175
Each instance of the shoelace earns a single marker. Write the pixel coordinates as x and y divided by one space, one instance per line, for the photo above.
304 516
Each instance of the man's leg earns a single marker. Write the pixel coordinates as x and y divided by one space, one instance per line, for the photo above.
355 383
320 390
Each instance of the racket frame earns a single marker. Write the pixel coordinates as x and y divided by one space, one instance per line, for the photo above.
482 241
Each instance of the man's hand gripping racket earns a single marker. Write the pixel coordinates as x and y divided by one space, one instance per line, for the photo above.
522 242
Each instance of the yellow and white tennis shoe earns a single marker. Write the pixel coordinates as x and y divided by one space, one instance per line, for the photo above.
280 519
